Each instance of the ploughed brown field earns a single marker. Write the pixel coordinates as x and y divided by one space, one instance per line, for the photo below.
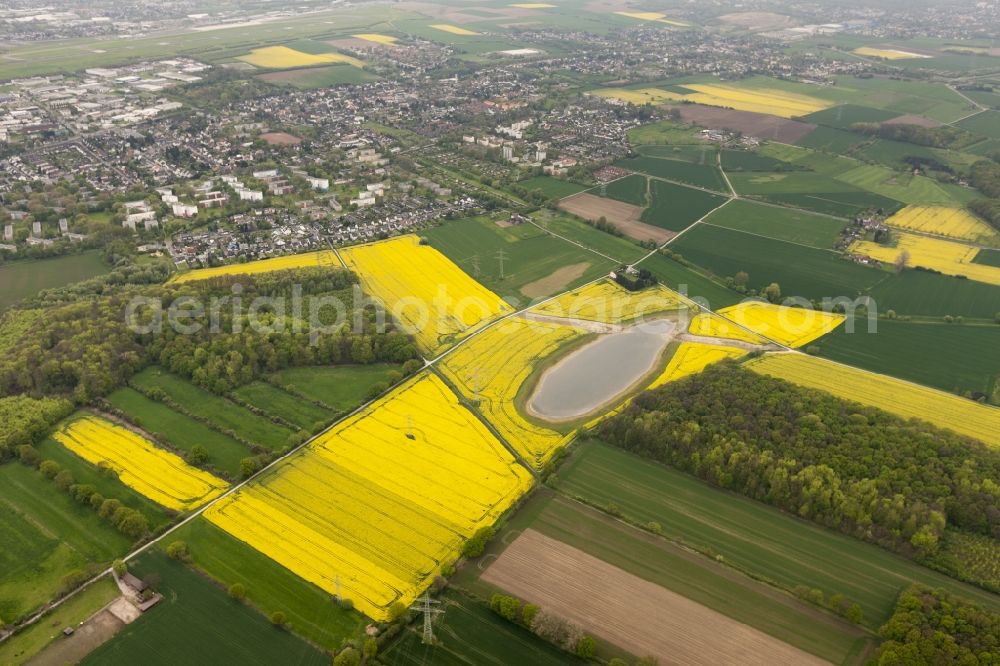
630 612
761 125
281 139
622 215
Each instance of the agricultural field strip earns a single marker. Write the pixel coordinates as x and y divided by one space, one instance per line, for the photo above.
177 485
934 399
367 509
666 180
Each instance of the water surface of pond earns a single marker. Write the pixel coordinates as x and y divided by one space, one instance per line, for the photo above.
597 373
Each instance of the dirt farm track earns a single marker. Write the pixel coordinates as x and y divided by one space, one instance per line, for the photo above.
628 611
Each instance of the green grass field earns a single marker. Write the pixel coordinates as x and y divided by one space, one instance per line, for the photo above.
108 485
987 258
27 643
986 123
831 140
630 189
530 254
284 405
269 586
664 133
224 413
811 191
553 188
620 249
470 634
690 282
46 536
923 293
779 223
907 188
750 160
24 278
197 622
990 99
320 77
845 115
800 271
749 535
702 152
676 207
951 357
676 568
341 388
183 432
699 175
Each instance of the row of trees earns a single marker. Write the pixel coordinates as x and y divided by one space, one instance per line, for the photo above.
130 522
852 468
548 626
934 627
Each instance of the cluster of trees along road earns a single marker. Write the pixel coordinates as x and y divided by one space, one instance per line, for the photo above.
849 467
82 347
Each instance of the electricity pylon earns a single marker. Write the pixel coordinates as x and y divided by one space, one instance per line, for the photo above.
425 606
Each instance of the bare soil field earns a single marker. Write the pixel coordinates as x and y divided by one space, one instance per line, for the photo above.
757 21
622 215
752 124
628 611
90 635
555 281
282 138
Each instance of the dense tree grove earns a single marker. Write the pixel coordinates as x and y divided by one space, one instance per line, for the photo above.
935 137
985 177
26 420
85 349
849 467
933 627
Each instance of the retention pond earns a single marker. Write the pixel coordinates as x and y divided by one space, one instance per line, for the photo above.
598 373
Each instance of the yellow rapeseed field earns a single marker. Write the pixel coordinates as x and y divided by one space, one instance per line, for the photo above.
904 399
887 54
715 326
430 297
157 474
792 327
774 102
282 57
492 367
453 29
322 258
378 39
693 357
948 257
944 221
652 16
609 303
375 507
